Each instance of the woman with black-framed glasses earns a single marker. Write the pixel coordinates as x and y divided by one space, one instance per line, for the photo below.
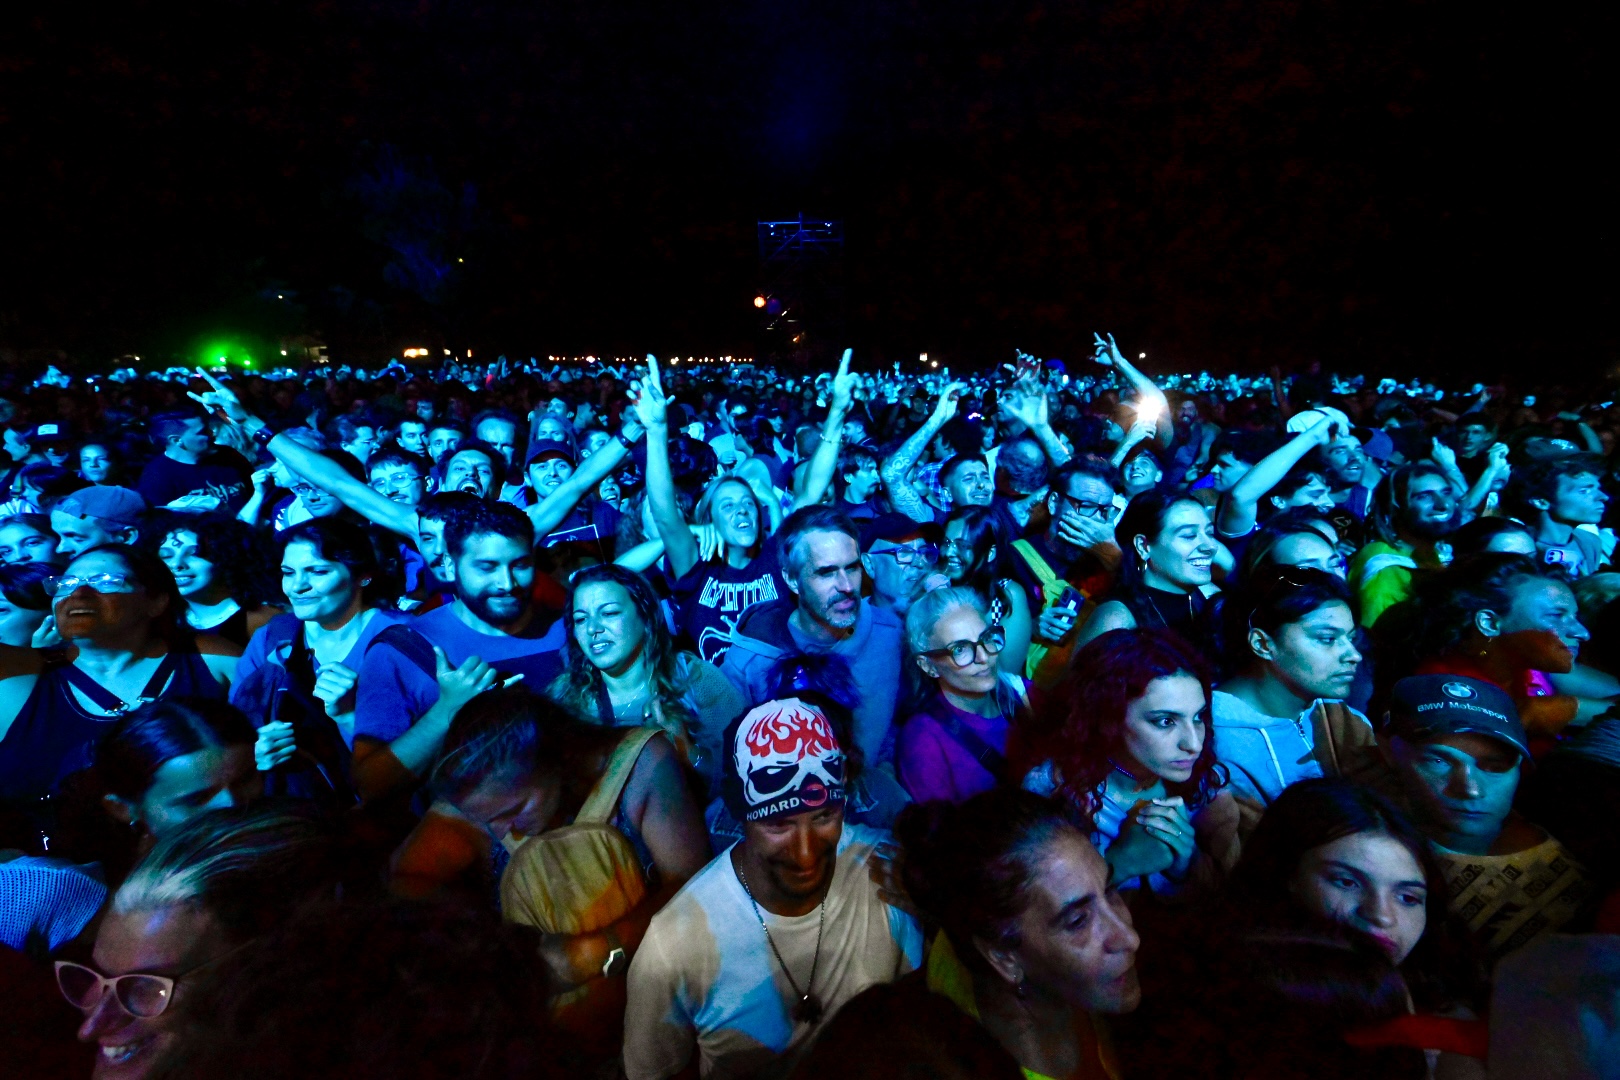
119 612
956 746
205 891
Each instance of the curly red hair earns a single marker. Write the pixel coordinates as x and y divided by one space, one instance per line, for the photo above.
1087 727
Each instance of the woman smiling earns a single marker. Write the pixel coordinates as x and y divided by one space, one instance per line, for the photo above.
624 671
119 612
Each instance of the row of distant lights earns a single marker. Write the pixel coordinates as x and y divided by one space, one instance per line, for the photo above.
637 360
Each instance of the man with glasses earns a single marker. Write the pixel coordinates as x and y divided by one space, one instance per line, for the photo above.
1077 551
397 476
898 556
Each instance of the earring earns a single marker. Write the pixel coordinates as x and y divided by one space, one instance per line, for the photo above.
1022 989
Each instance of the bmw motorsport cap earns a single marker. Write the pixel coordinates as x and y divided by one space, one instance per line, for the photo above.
1425 707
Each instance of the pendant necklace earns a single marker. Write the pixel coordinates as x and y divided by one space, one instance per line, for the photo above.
808 1010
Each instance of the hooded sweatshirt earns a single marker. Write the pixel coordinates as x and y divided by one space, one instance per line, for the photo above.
764 637
1264 754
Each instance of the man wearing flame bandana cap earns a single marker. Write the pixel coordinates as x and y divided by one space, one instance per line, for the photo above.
740 970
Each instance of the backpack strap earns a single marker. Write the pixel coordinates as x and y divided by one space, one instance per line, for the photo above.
1052 585
410 644
111 702
991 759
604 797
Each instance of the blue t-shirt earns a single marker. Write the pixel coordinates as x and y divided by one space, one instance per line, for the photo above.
393 692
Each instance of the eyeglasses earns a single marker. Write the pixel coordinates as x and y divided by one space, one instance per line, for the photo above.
102 583
928 554
963 653
1100 511
305 489
139 994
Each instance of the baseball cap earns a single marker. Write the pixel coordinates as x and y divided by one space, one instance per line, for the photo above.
107 502
1424 707
52 432
1309 418
550 450
893 527
782 758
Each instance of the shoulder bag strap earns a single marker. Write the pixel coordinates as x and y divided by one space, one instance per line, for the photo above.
604 797
410 644
993 761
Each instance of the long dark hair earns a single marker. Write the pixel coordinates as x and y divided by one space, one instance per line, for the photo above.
979 535
1315 812
580 687
237 551
968 866
1086 723
357 548
130 754
1144 516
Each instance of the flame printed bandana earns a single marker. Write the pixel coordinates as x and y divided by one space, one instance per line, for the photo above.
787 760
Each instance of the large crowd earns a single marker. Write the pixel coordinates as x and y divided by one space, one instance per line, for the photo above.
626 719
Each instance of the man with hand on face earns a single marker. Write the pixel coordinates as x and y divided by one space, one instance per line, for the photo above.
414 680
821 560
1413 510
759 950
1456 750
1077 551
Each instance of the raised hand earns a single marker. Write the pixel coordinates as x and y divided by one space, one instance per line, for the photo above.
647 397
843 384
950 399
1026 402
221 397
1106 352
1443 455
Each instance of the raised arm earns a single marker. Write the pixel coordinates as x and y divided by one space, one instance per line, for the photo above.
1108 354
1241 508
896 470
1027 403
647 396
825 460
550 512
313 465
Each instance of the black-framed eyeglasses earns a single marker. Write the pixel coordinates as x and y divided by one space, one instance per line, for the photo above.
908 556
1100 511
963 653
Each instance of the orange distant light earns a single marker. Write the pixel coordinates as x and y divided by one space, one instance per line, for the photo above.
759 301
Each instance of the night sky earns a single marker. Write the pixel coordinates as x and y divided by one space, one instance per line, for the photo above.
1382 186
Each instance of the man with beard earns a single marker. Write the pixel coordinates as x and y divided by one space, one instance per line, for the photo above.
763 946
898 556
415 679
1413 510
821 559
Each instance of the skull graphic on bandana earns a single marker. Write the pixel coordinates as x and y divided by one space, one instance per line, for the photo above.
788 759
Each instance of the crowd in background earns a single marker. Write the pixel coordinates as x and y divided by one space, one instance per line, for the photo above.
663 720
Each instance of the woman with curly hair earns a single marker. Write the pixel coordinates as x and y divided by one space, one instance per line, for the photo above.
223 572
1130 746
624 670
